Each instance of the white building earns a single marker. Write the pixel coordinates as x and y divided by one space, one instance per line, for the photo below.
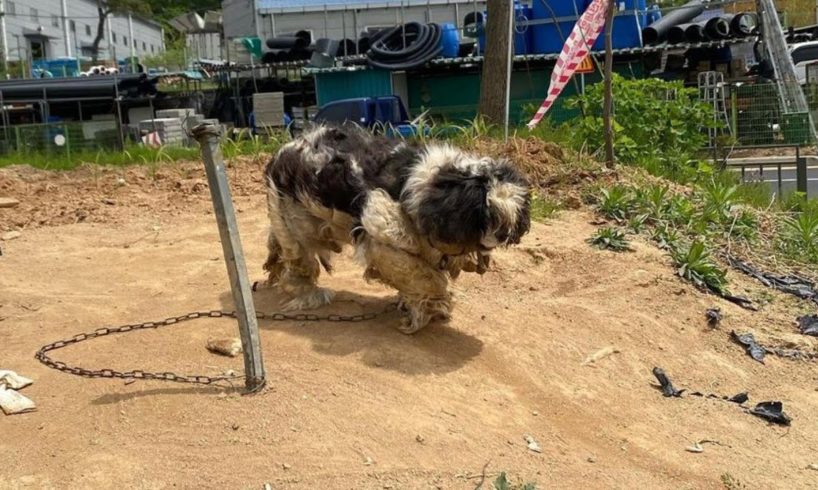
43 29
336 19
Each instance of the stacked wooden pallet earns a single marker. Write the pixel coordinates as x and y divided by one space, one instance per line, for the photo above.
268 108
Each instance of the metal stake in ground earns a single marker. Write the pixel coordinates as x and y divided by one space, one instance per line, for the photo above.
208 137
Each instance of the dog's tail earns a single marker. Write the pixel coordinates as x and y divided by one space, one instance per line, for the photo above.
466 204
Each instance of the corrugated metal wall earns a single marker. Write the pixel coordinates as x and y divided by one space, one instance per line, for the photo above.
330 87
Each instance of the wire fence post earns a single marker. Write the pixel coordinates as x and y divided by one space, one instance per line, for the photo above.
800 172
208 137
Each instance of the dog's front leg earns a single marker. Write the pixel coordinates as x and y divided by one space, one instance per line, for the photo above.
423 289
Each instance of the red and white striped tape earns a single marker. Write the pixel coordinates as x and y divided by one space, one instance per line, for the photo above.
152 139
577 47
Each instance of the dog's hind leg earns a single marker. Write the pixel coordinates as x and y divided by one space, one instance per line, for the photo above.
274 266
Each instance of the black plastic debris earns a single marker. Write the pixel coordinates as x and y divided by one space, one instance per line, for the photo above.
665 384
771 411
713 317
741 301
797 286
739 398
808 325
755 351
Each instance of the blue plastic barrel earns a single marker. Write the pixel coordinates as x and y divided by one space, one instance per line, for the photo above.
654 14
557 18
450 40
631 18
523 33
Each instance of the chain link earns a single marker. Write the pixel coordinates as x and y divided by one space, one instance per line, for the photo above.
43 357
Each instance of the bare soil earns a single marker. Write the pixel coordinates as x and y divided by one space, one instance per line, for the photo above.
360 405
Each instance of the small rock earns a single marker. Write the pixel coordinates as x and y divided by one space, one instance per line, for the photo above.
591 459
695 448
235 426
368 461
225 347
420 438
130 381
8 202
286 466
11 235
120 182
532 444
267 486
109 202
813 466
535 413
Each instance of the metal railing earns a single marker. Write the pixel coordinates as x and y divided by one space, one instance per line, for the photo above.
786 170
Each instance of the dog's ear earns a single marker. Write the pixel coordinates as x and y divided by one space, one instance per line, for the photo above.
510 201
455 209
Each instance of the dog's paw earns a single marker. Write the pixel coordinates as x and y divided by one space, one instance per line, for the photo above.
408 326
314 299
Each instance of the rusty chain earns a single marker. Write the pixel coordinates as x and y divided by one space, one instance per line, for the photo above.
43 357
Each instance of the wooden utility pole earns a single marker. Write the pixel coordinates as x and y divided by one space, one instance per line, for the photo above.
494 81
607 110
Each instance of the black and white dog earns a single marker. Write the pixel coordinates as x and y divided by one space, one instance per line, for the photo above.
416 215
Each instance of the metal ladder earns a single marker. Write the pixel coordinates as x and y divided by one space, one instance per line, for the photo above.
711 92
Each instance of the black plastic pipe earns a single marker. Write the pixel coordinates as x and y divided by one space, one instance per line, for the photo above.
742 24
406 46
287 42
658 31
685 33
717 28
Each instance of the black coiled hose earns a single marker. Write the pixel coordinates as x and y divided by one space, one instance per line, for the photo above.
406 46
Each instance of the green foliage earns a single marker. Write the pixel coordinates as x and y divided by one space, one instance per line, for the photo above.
695 264
799 236
172 58
610 239
657 124
502 483
543 208
616 202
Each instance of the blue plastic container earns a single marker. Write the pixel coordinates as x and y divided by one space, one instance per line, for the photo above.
631 18
450 40
523 33
559 18
654 14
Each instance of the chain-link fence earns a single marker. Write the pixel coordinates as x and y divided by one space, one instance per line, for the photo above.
755 116
62 138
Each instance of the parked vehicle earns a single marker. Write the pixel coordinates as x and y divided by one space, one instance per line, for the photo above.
386 113
803 54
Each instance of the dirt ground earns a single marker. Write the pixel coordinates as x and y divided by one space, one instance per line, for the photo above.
361 406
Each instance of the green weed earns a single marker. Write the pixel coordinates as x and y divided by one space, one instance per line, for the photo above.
502 483
695 264
610 239
543 208
616 203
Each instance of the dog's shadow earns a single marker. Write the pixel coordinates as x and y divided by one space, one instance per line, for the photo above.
436 349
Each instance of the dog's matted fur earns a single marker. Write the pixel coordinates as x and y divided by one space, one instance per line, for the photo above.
416 215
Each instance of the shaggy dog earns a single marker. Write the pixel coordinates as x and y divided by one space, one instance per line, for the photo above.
416 216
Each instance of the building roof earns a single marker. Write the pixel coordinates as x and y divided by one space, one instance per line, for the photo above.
471 60
281 6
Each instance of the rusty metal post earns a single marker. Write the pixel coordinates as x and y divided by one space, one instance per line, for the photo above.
209 137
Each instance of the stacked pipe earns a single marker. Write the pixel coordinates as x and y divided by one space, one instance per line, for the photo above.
288 47
680 25
130 85
406 46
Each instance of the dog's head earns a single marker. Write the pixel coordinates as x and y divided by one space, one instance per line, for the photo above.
464 204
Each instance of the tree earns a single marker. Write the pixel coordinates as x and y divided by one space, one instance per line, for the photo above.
495 62
106 8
